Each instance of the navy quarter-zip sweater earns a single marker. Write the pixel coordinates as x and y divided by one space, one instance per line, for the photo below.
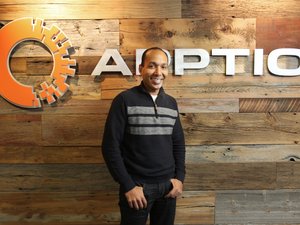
143 140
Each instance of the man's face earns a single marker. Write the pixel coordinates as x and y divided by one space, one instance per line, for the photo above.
154 71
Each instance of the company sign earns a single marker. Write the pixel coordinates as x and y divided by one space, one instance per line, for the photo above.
58 44
63 67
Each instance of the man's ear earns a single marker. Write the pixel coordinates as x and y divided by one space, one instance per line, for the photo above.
140 68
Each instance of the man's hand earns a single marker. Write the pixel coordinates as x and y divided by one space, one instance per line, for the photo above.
136 198
176 190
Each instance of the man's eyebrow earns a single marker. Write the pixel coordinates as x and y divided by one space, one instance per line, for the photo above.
158 64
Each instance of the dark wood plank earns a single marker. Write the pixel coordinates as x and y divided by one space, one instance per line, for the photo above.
233 176
260 105
73 130
41 155
20 130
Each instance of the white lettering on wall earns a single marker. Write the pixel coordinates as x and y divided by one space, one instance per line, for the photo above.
180 64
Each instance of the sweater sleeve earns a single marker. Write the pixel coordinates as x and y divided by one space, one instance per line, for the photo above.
179 150
112 140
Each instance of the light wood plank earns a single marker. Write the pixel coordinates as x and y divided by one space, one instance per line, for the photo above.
241 153
89 9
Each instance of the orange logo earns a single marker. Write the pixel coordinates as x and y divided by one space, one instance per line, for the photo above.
60 47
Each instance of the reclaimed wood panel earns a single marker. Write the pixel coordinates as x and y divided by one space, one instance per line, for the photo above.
233 176
259 105
186 33
239 9
241 153
55 178
72 130
90 9
237 128
273 33
258 207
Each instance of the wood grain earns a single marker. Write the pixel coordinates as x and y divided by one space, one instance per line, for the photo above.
89 9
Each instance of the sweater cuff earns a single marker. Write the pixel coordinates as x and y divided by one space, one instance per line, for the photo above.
180 176
128 186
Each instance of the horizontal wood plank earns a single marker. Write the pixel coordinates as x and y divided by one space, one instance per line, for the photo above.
20 130
72 130
241 153
238 128
216 86
239 9
41 155
234 176
89 9
55 178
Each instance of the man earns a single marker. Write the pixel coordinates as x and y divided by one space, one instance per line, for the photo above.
143 146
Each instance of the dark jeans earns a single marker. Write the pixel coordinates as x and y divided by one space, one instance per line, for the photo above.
161 209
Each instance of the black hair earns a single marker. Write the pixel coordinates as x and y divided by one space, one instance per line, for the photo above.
150 49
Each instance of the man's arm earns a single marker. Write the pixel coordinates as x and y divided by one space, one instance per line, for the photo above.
111 144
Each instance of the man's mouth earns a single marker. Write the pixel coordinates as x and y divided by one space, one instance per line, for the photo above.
157 80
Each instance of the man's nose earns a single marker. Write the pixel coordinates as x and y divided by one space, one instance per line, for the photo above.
158 70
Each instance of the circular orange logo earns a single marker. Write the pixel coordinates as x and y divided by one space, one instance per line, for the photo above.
60 47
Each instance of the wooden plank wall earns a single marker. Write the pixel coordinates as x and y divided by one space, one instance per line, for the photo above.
242 132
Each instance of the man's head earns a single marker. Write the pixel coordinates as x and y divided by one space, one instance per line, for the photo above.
154 69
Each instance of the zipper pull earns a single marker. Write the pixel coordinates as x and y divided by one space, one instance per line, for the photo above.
155 109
